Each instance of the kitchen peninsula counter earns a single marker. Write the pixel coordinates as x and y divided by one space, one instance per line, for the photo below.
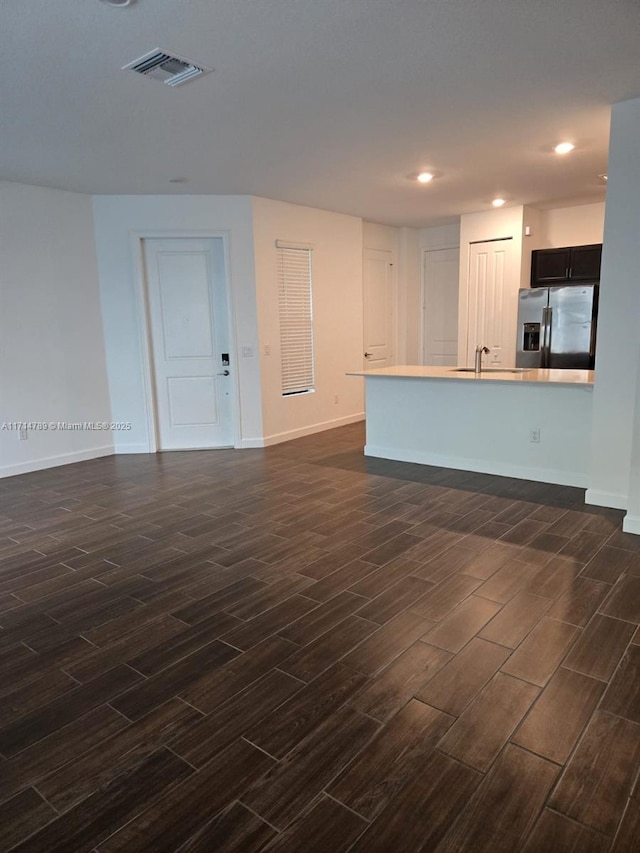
484 422
418 371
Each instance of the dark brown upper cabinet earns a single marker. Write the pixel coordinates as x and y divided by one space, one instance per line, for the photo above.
565 266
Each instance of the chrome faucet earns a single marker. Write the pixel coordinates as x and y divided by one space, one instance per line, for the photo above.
479 351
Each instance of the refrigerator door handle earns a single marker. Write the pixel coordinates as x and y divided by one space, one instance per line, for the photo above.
549 331
546 334
592 345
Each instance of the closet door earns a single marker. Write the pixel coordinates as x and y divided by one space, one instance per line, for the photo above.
489 305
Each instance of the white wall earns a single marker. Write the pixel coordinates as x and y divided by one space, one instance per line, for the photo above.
410 298
338 317
385 238
532 221
615 426
119 222
406 246
440 236
52 360
573 226
631 523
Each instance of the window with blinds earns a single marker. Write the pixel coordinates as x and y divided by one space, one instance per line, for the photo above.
296 318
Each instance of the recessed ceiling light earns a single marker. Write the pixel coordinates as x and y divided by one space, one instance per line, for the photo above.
118 2
498 202
425 177
564 147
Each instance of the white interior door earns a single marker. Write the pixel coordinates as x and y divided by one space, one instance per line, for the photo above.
189 335
379 295
440 306
489 263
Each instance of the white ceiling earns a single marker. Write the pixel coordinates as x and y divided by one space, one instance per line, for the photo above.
328 103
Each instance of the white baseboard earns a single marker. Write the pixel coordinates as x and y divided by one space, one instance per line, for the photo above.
631 524
483 466
249 443
267 441
55 461
610 499
140 447
279 437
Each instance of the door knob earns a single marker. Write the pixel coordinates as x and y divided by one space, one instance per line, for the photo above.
224 373
368 354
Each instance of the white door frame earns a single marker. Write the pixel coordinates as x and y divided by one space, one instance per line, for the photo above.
423 288
144 325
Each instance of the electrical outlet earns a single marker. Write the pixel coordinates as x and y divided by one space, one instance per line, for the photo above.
267 349
534 435
24 434
247 352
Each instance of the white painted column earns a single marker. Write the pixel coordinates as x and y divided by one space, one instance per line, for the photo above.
631 523
616 415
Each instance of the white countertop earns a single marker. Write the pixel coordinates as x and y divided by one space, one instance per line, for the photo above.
534 376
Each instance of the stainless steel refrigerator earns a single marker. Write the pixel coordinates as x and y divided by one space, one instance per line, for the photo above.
557 326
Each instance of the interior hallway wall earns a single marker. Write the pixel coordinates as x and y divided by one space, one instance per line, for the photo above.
336 240
52 355
615 456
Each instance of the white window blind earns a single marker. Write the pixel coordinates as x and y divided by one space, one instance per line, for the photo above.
296 318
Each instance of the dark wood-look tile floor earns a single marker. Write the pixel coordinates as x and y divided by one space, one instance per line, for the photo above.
300 649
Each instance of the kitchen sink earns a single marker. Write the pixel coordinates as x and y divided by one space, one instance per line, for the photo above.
492 370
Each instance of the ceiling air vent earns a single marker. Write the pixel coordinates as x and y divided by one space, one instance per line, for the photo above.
166 67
